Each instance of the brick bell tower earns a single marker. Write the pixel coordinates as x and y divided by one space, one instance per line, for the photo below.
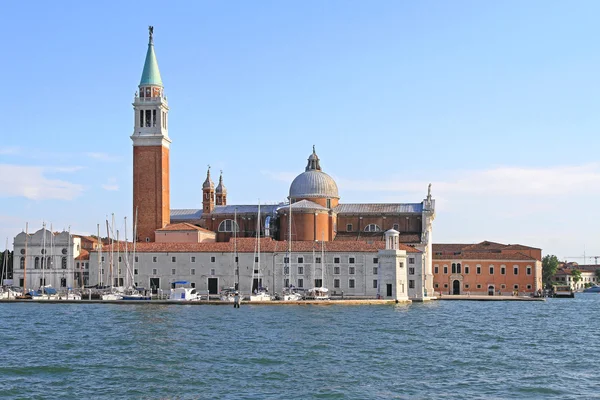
150 151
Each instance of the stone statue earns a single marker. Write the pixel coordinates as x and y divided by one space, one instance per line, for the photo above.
429 191
150 32
136 93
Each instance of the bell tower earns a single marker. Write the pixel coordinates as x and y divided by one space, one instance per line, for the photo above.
151 144
208 194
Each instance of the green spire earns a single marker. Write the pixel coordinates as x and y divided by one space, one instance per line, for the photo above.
151 74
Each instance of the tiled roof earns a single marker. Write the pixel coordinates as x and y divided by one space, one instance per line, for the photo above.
485 256
447 247
83 255
186 214
304 205
247 245
485 246
183 226
520 247
380 208
195 214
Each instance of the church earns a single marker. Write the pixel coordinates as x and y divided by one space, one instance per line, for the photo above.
171 243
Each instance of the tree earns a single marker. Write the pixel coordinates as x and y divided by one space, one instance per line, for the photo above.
598 274
549 267
576 275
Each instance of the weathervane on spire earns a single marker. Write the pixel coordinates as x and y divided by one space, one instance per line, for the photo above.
314 149
151 32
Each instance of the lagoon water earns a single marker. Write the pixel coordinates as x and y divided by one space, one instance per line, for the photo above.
443 349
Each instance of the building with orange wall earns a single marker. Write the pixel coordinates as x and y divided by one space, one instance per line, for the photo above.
486 268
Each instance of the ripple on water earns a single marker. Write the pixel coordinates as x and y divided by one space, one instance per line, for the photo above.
441 349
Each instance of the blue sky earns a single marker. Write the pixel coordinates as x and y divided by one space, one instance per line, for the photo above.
494 103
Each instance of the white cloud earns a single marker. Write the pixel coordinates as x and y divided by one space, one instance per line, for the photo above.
30 182
9 150
111 185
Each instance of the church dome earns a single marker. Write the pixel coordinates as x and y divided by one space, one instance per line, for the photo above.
313 182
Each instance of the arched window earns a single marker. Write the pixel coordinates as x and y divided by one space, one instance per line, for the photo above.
49 263
228 226
36 264
453 268
458 268
64 263
372 228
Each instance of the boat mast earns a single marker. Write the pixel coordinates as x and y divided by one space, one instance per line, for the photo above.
236 278
127 284
25 260
52 270
43 282
110 257
289 255
258 226
322 260
134 245
118 261
4 263
99 257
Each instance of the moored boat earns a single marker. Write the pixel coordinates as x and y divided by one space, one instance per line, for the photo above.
181 292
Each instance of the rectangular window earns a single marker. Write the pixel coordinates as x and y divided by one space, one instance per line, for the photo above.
142 116
173 259
193 259
148 118
336 260
328 203
286 270
212 271
173 271
374 270
300 283
135 271
193 271
374 283
435 270
102 259
102 271
411 271
351 270
154 259
351 283
136 259
237 259
445 270
466 269
502 271
300 270
154 271
349 228
120 260
351 260
478 286
336 283
153 117
375 260
411 284
300 260
286 260
317 260
213 259
336 270
193 284
256 259
478 270
528 270
516 270
411 260
491 270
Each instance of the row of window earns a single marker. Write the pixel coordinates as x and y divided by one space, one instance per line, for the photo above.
479 286
286 260
457 269
41 263
148 118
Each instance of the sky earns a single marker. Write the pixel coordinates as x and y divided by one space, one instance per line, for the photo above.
493 103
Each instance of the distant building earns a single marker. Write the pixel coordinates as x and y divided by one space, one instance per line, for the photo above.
486 268
564 275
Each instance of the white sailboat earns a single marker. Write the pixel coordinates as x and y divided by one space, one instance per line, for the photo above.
259 293
289 294
320 292
6 291
230 293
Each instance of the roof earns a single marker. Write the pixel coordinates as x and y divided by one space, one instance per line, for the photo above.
485 246
303 205
375 236
485 256
268 245
151 74
186 214
183 226
83 255
380 208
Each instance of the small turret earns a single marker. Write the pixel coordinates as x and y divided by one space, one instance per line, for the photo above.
221 192
208 191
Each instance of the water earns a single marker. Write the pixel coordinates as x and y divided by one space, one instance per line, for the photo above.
446 349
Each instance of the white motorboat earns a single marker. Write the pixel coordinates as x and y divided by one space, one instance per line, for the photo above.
183 293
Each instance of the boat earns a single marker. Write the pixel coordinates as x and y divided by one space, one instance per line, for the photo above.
563 291
228 294
259 293
319 292
592 289
182 293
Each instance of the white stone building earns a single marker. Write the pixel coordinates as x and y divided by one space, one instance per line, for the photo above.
45 258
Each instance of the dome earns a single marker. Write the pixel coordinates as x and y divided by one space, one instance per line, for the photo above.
313 183
208 183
